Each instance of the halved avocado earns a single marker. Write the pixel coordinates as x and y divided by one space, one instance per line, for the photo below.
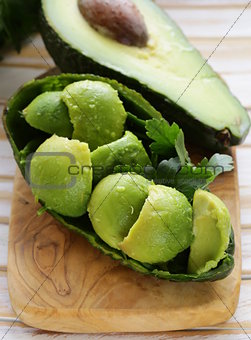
162 70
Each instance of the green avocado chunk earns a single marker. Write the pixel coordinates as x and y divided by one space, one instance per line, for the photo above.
211 228
97 114
47 112
127 150
115 205
24 139
51 180
162 70
163 229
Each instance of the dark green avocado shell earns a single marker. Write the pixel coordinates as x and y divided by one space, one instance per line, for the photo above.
25 140
69 59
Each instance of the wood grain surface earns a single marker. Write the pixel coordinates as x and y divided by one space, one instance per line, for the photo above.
59 282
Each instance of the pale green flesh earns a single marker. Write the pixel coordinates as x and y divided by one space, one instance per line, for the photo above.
163 229
96 112
127 150
211 227
115 205
47 112
166 65
51 173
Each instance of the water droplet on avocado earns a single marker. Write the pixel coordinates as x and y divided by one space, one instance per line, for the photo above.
120 188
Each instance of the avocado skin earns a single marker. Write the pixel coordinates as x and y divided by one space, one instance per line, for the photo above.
224 268
22 136
69 59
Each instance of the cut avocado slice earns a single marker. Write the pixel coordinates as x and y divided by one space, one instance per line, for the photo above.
47 112
97 114
52 179
115 205
161 71
211 228
127 150
163 229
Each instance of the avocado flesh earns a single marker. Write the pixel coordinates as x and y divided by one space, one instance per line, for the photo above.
96 112
165 66
163 229
21 136
115 205
51 181
47 112
127 150
211 227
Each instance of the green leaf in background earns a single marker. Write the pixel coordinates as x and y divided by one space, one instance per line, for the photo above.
168 139
18 19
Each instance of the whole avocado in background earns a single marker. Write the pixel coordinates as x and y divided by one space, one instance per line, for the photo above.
52 182
47 112
211 227
127 150
161 68
96 112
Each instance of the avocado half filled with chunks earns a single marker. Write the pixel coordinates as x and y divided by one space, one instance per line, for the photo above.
94 159
135 42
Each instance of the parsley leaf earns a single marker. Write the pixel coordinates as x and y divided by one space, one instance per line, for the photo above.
179 172
218 163
190 178
181 149
167 171
168 139
186 179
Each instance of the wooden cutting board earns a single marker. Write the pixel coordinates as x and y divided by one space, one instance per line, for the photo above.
58 282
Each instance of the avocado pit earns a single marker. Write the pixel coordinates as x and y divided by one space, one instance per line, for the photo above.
117 19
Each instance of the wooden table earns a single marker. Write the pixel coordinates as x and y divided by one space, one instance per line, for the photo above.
205 22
